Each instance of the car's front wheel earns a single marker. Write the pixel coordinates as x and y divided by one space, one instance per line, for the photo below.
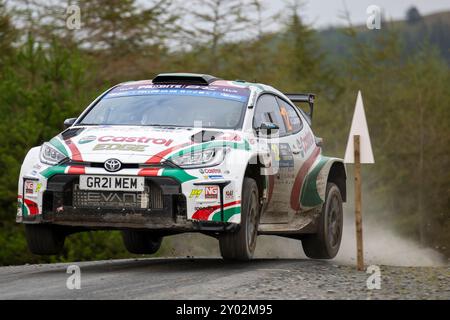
241 245
141 242
44 239
326 242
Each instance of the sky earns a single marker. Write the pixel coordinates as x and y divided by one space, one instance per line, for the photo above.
324 13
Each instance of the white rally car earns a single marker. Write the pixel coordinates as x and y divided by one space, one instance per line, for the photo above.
186 153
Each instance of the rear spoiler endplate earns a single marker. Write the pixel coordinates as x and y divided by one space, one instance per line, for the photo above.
306 98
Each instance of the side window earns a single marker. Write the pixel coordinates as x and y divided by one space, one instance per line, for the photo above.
267 110
291 118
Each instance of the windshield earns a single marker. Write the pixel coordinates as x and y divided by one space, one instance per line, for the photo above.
175 107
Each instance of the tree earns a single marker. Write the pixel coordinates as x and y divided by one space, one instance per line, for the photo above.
214 21
114 26
413 15
8 33
124 25
300 58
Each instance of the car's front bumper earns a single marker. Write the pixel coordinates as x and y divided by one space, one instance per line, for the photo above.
109 220
169 201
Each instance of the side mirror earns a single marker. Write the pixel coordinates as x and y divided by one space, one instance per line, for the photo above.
69 122
268 128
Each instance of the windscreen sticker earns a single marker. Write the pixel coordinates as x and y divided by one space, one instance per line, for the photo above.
216 92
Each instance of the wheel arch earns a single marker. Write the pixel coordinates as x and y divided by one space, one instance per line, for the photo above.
338 175
253 170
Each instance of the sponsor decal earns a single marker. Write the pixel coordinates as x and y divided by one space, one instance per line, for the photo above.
32 187
87 139
286 120
126 139
229 194
210 171
217 176
166 142
285 156
275 151
211 192
197 208
29 187
231 137
307 141
195 193
119 147
219 92
115 199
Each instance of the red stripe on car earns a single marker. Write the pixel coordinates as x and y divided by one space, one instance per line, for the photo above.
159 156
149 172
76 154
300 178
76 170
204 213
32 207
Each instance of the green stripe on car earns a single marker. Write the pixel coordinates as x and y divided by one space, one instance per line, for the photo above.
51 171
58 145
310 196
227 213
179 174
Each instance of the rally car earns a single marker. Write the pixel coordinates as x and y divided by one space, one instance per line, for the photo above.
186 153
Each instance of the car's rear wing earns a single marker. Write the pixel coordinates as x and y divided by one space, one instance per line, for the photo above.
305 98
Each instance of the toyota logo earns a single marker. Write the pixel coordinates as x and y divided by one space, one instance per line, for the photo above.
112 165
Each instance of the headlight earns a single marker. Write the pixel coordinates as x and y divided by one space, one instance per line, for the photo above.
203 158
50 155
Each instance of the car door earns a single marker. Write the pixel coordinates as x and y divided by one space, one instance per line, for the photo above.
283 164
301 140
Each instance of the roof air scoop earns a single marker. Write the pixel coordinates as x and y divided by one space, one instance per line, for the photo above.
184 78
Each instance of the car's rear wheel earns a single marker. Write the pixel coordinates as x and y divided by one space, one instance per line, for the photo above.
241 244
326 242
44 239
141 242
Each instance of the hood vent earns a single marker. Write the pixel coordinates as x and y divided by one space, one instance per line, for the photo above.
206 136
71 132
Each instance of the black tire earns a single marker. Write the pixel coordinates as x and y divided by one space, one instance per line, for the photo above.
240 245
141 242
44 239
326 242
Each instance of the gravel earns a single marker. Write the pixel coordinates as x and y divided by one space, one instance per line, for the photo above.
212 278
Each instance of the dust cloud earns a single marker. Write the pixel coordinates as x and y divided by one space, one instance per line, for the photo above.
382 246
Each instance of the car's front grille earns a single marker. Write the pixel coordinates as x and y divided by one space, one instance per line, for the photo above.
160 195
151 198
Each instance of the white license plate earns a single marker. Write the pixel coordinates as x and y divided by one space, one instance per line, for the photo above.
112 183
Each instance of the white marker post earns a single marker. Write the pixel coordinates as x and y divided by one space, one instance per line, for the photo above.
359 150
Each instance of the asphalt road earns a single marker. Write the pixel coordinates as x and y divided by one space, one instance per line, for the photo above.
210 278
